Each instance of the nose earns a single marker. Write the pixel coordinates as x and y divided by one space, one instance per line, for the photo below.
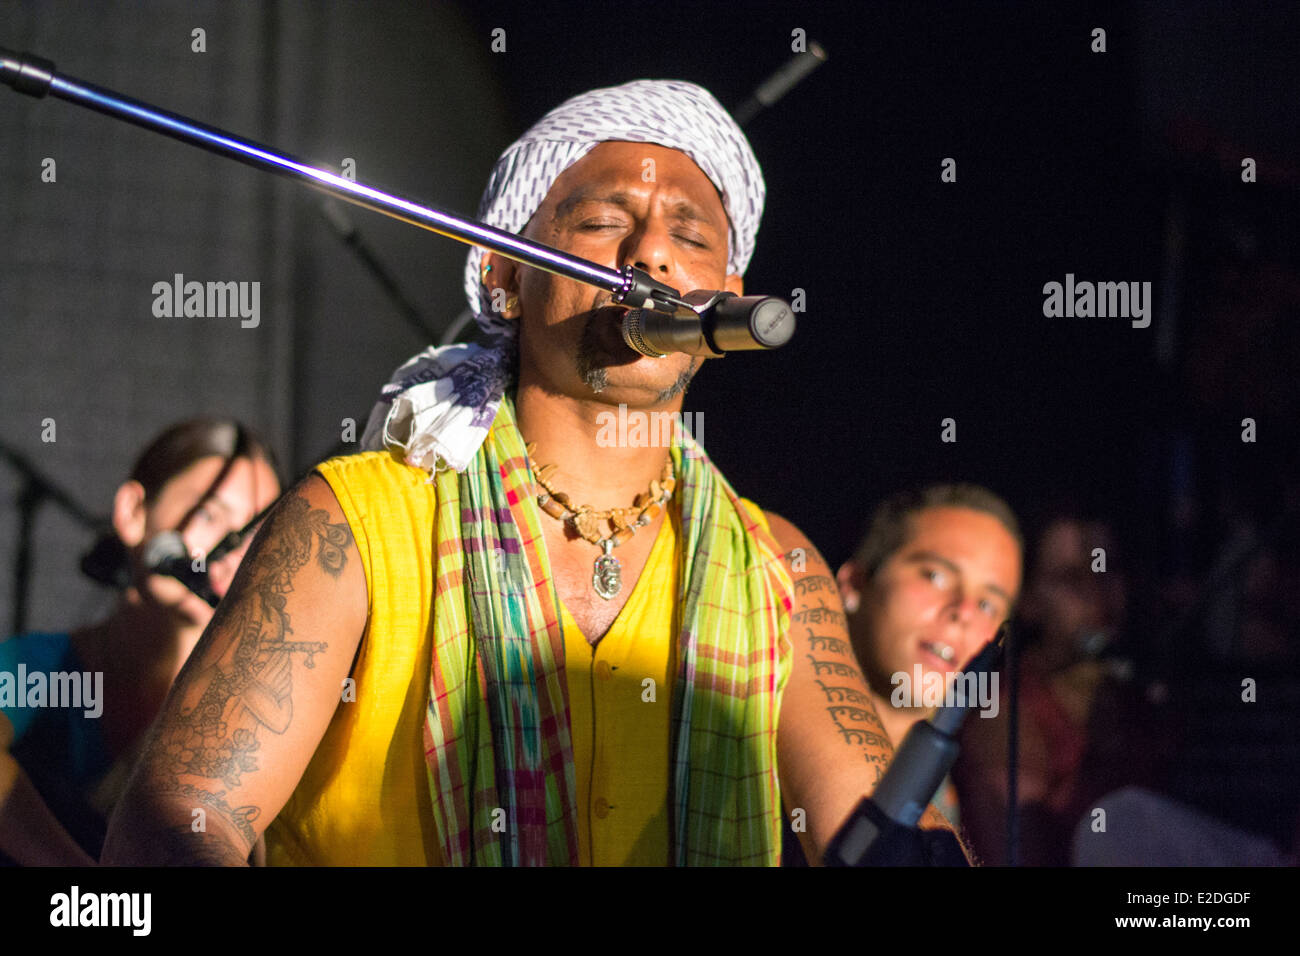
961 608
966 630
650 248
960 614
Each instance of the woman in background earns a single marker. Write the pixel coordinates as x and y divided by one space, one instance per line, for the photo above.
60 768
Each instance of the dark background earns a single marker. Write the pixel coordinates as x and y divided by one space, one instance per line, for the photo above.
924 298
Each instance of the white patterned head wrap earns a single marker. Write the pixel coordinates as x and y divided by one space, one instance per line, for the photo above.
670 113
438 406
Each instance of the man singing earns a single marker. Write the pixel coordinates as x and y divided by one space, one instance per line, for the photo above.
503 639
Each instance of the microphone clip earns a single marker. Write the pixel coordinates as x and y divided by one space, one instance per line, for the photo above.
640 291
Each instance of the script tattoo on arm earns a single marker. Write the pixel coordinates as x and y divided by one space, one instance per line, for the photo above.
823 642
831 744
211 738
813 583
850 709
820 614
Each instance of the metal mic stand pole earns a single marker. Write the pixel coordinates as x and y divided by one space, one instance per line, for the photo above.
629 287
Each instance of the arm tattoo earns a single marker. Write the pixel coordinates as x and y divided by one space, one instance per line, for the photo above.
842 714
812 583
211 735
851 710
810 550
849 694
824 642
838 668
820 615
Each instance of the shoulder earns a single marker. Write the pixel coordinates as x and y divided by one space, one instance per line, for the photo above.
791 539
376 486
370 467
783 531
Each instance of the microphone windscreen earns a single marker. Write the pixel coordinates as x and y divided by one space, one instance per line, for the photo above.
164 545
634 334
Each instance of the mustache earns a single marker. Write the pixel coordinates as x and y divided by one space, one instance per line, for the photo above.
590 368
601 299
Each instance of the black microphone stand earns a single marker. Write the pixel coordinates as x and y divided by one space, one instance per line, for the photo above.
36 489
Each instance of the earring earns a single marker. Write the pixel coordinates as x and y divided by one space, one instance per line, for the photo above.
512 303
486 269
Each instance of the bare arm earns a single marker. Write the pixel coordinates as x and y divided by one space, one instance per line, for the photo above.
251 704
832 748
29 832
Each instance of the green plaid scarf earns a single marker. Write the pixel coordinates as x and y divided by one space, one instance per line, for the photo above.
497 736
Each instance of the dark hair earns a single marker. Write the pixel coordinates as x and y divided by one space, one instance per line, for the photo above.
169 454
184 443
888 529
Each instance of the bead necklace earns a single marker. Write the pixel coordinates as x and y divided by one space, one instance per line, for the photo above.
607 571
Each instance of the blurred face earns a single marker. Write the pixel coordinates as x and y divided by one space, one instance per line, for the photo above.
940 597
248 487
621 204
1069 602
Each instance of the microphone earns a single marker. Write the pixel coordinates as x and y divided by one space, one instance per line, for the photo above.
882 830
929 751
710 324
165 554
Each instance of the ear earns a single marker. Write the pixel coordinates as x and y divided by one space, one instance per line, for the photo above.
852 581
129 513
502 280
504 273
734 284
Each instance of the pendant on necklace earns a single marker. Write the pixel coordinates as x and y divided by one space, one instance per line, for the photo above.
607 572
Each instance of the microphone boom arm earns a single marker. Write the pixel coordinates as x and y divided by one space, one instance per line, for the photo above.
629 286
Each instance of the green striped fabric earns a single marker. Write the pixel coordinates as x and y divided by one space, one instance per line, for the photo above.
497 736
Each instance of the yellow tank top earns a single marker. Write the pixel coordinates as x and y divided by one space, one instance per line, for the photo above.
364 798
